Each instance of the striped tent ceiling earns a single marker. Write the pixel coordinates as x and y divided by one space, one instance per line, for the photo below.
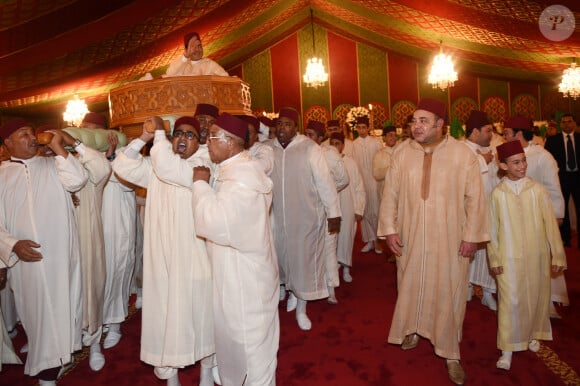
53 49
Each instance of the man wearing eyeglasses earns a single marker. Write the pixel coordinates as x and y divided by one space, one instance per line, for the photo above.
177 327
234 218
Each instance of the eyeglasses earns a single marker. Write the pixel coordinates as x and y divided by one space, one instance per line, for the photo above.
188 134
220 137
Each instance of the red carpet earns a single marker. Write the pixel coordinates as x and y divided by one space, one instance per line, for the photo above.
347 344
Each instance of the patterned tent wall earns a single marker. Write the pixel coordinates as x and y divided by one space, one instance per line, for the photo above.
462 107
316 113
553 103
360 74
526 105
496 109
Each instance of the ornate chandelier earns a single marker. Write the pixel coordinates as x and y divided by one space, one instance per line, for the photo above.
76 109
315 74
442 74
570 85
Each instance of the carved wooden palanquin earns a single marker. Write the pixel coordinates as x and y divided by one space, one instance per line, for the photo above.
132 103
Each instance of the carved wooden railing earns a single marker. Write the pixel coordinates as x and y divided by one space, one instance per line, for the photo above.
131 103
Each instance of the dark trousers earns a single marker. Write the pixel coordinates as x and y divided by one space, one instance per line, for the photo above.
570 184
49 374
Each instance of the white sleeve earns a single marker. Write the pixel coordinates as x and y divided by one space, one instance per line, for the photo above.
71 173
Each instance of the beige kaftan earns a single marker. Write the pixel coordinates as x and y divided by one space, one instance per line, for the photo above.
381 163
91 238
177 326
524 233
431 276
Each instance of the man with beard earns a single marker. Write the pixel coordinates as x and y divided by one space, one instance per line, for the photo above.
305 202
433 214
44 260
234 218
177 327
92 244
192 61
206 115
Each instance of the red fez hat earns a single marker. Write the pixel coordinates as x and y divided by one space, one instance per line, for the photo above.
233 125
96 119
433 106
206 109
290 113
507 149
388 129
477 119
187 37
333 123
187 120
12 125
267 121
251 120
317 126
338 136
362 120
43 128
519 123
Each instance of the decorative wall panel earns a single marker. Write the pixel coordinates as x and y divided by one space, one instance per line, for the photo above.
526 105
340 113
462 107
496 109
286 76
401 111
552 103
402 79
316 113
379 115
344 87
372 74
258 74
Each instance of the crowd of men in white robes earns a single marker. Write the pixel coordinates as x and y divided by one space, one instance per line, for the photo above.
228 198
54 221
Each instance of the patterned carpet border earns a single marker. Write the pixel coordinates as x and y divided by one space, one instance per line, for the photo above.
557 366
80 356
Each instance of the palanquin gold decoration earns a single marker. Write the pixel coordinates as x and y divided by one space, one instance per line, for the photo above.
133 102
